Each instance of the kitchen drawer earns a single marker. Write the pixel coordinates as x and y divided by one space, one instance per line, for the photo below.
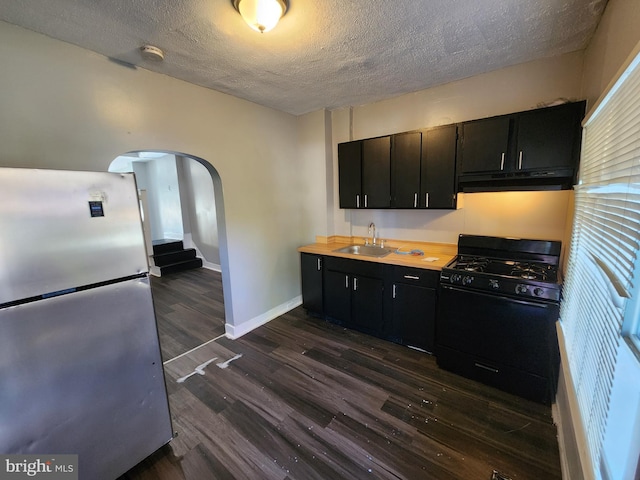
354 267
517 382
415 276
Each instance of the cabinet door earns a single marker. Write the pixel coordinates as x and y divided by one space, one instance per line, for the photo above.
405 169
366 308
438 170
350 174
337 296
485 145
414 315
376 172
548 138
311 266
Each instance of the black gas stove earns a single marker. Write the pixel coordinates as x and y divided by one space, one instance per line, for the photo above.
498 303
508 266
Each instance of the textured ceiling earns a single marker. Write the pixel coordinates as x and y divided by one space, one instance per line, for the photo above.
323 53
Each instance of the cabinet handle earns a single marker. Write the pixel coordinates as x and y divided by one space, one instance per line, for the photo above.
393 295
358 201
426 200
365 200
502 162
355 284
346 281
415 200
484 367
319 264
520 161
412 277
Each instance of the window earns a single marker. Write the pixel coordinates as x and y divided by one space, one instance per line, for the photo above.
631 324
602 286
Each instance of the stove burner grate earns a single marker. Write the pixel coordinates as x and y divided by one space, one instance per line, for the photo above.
472 264
529 271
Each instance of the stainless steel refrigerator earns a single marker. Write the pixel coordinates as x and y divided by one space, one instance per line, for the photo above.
80 365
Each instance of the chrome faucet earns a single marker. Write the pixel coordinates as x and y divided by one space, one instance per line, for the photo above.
372 232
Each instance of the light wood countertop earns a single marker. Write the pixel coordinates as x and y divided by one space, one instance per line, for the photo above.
436 255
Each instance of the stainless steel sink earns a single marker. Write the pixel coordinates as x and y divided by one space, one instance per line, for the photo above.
366 250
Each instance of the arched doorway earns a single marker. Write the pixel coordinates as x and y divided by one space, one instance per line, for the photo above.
184 201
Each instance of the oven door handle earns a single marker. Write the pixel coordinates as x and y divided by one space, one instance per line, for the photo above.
539 303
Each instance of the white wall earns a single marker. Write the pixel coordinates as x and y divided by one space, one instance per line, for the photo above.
164 194
200 208
67 108
617 36
518 214
315 176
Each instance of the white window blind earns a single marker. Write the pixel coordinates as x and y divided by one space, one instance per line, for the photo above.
604 247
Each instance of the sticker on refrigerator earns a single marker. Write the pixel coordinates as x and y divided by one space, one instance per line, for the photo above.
95 207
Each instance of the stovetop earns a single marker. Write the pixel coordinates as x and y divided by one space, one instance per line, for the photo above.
524 270
514 267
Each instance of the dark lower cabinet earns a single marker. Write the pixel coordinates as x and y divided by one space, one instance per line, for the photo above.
410 306
311 266
387 301
337 296
413 318
353 292
366 304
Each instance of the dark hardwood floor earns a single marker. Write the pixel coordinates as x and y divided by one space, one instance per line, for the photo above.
189 309
299 398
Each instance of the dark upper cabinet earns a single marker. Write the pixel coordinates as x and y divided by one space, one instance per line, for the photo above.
532 150
438 168
376 172
485 145
405 169
311 269
364 172
549 137
350 173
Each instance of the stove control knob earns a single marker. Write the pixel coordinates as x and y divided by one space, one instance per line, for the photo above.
456 277
521 289
494 284
466 280
538 291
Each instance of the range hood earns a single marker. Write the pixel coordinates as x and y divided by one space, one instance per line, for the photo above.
558 179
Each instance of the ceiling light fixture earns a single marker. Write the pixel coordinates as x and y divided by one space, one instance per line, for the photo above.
261 15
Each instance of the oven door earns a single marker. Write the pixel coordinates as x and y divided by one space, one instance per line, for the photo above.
502 341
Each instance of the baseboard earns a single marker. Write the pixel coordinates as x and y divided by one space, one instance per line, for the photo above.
236 331
211 266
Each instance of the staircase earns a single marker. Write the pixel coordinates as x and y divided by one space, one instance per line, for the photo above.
170 256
